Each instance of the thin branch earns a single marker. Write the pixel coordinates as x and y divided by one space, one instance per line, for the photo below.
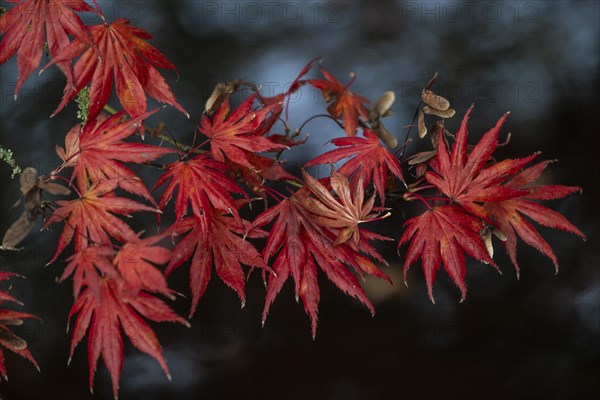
159 135
315 117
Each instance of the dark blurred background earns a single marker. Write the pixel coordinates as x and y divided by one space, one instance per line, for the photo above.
536 338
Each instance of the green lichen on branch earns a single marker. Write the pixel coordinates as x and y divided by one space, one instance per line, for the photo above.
83 102
6 155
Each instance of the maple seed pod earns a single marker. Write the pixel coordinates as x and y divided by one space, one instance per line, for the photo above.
389 139
435 101
421 124
14 322
422 157
420 170
449 113
215 99
31 191
431 81
382 106
499 235
486 235
12 341
218 95
435 129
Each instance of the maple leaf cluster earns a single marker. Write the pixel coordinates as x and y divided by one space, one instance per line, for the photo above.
316 228
479 196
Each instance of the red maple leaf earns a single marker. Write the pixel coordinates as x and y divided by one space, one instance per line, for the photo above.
465 179
370 160
300 245
136 262
202 182
263 168
96 152
345 105
88 267
132 266
120 54
344 213
91 217
508 215
442 235
24 26
294 86
215 240
233 135
8 339
106 316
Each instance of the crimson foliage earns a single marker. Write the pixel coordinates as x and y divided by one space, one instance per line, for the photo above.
316 227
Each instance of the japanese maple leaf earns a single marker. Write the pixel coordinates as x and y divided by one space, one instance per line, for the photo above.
216 240
345 105
442 235
8 339
233 135
88 267
299 245
97 151
263 168
106 316
24 26
202 182
91 217
345 212
369 159
508 215
351 253
136 262
296 84
465 179
119 54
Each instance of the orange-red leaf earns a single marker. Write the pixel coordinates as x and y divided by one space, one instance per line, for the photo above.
215 241
509 215
88 266
91 218
370 160
465 179
136 262
343 213
234 134
105 316
263 168
345 105
299 245
443 235
296 84
119 54
97 151
202 183
24 26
